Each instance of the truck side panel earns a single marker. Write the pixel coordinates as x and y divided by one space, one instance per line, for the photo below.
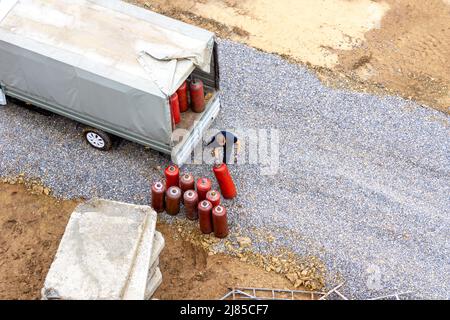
86 97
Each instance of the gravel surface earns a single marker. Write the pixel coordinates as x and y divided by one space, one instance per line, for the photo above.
363 181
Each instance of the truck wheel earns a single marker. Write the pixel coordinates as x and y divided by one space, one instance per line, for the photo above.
98 139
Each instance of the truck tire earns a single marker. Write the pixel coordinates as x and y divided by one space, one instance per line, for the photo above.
98 139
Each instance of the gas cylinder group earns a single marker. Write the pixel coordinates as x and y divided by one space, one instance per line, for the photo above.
201 201
192 94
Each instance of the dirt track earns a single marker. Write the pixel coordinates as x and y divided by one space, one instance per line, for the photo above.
388 47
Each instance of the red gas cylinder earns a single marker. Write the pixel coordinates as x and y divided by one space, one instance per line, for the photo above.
173 200
172 174
203 186
175 107
191 204
220 222
205 216
213 196
197 96
182 93
158 191
225 181
187 182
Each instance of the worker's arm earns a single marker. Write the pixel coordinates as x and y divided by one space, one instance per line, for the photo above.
216 153
238 147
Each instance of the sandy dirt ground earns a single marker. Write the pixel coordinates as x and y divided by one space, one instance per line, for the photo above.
383 46
30 229
32 224
190 273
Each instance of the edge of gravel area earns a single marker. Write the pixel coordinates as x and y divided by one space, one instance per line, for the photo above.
337 130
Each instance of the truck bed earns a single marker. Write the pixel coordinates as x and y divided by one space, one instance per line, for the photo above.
189 117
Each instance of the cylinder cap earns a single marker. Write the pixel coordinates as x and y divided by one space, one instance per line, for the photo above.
174 191
190 194
205 204
158 186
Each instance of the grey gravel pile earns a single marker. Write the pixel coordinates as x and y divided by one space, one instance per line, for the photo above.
363 181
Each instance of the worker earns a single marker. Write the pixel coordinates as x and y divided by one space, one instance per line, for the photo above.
225 140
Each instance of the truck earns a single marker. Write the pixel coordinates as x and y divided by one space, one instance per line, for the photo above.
110 66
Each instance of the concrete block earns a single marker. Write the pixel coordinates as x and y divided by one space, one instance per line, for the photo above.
154 284
100 251
135 289
158 246
152 270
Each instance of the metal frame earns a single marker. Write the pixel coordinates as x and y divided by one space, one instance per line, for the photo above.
334 290
261 294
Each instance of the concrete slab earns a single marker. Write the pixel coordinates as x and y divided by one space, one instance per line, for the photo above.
152 270
97 253
154 284
135 289
158 245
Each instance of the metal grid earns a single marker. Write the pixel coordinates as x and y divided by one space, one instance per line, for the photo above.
270 294
282 294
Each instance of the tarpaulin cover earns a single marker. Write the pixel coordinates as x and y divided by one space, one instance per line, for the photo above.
100 59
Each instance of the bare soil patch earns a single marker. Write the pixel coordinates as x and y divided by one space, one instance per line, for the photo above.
190 273
381 46
409 55
31 227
